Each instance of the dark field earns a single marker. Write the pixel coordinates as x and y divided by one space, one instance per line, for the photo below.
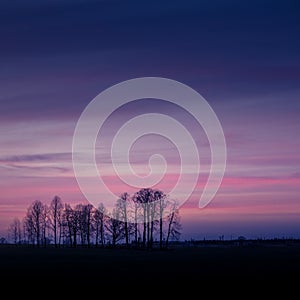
179 266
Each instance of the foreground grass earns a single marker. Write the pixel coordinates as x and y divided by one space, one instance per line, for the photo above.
103 266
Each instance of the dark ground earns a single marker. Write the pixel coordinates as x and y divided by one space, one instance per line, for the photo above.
179 267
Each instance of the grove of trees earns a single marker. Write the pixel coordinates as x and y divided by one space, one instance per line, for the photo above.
145 219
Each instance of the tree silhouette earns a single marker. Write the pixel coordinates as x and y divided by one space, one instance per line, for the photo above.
35 220
99 221
55 217
15 231
122 206
144 197
160 197
115 226
84 213
174 226
71 217
138 215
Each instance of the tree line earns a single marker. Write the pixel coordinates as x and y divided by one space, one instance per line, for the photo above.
144 219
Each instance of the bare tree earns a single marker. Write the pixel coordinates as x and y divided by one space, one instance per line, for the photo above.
115 226
174 225
99 221
72 218
136 205
55 214
84 214
122 205
44 225
15 231
89 209
67 224
160 199
29 234
141 215
34 219
144 197
153 203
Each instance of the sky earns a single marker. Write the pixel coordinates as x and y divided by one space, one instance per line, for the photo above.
242 57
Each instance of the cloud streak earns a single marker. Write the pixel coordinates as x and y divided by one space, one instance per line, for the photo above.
45 157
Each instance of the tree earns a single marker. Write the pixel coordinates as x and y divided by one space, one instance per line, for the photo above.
174 225
85 213
160 198
122 206
153 204
55 215
141 215
115 226
144 197
34 220
71 220
99 221
15 231
44 225
136 220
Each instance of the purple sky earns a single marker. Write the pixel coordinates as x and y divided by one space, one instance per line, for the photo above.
242 57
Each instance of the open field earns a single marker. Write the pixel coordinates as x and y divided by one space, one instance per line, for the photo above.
129 266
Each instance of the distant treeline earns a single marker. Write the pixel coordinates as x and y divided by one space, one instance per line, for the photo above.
146 218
